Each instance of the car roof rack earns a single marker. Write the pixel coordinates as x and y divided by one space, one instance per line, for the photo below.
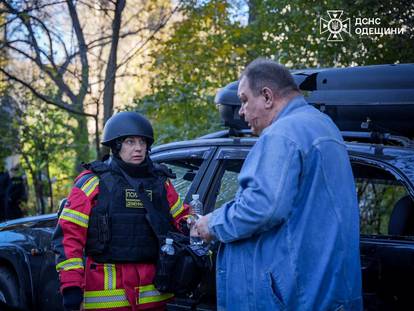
377 138
231 132
367 137
377 100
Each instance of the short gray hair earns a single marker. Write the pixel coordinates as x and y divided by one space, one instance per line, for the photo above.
264 72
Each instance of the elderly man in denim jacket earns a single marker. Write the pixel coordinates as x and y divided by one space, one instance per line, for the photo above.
290 238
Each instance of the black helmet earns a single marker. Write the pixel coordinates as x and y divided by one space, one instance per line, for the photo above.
127 123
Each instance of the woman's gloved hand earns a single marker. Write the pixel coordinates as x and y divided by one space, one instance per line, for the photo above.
72 298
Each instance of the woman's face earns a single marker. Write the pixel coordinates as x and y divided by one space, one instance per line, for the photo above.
133 150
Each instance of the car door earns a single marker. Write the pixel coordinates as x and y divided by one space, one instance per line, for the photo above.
45 278
218 186
190 165
386 259
387 235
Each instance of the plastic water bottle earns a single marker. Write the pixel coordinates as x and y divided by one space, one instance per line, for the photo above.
196 205
163 280
168 247
197 208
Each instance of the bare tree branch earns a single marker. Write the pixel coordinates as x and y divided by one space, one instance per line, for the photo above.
46 98
38 39
109 87
82 50
108 39
7 21
101 8
12 47
157 29
36 7
26 20
143 44
50 55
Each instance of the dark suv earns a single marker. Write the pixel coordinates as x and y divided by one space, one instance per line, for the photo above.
374 108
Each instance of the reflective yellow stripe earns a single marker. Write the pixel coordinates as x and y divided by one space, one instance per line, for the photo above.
176 204
104 299
109 276
70 264
75 217
90 185
177 208
104 293
146 287
75 221
75 213
149 293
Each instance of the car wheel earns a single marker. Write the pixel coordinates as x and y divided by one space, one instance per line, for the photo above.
9 290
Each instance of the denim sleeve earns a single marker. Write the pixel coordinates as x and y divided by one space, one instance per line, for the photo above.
268 184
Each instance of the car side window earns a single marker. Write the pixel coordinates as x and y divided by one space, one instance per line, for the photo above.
188 164
380 196
227 184
383 200
185 171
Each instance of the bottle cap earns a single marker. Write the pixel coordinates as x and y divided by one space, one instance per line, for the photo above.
195 196
169 241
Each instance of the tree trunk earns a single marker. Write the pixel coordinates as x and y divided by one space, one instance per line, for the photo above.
253 6
110 73
81 143
38 185
49 183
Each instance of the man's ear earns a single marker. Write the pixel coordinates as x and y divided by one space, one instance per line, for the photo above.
268 95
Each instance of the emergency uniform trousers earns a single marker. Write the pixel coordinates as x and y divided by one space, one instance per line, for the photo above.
107 286
114 287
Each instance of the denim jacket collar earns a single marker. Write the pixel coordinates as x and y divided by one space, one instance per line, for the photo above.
294 103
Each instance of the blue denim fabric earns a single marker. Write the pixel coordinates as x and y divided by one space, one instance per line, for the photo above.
291 235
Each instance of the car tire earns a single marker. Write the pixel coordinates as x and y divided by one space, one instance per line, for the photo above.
9 290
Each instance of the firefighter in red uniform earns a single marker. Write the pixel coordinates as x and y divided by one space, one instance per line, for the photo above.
104 220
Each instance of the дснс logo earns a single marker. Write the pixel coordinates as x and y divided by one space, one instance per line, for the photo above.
335 25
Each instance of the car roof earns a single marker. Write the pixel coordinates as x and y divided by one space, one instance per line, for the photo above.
380 152
27 221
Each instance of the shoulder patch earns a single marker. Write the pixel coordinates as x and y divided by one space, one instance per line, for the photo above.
87 183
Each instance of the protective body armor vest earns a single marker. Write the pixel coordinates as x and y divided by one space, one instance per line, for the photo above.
119 230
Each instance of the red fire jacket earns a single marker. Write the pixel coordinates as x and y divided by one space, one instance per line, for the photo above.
123 286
